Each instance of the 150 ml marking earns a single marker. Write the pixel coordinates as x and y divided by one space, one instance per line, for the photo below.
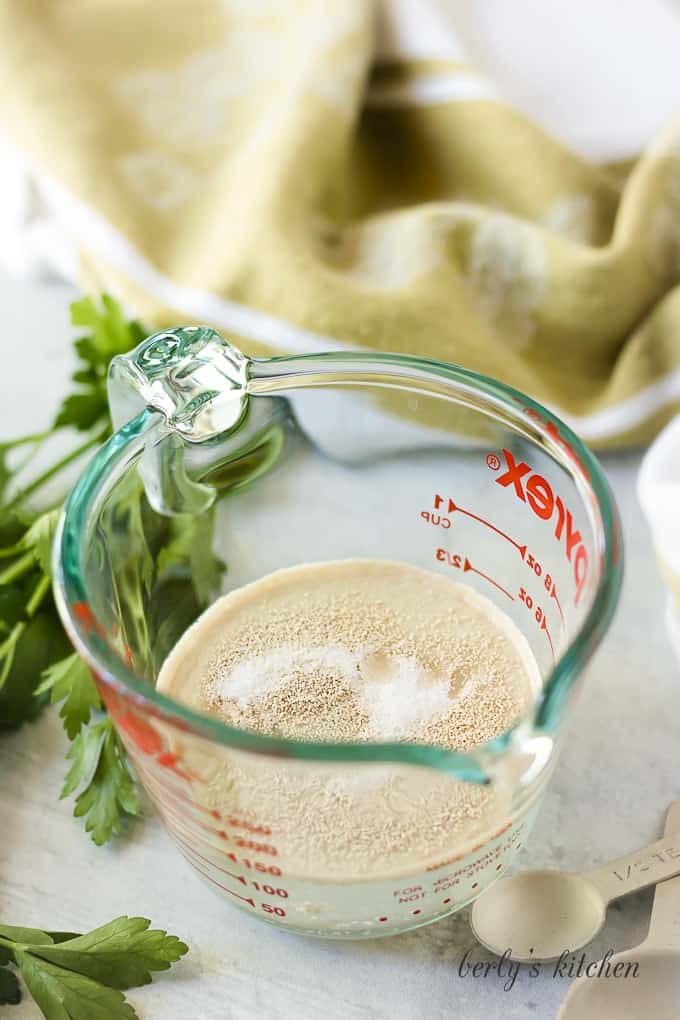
264 869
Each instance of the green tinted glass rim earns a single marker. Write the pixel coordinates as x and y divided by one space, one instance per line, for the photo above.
528 418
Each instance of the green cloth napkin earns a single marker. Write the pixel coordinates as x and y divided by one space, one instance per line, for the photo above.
249 165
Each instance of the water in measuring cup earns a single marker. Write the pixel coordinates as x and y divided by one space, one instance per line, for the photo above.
363 651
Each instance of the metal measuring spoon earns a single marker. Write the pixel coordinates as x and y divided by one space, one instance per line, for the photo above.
538 915
651 991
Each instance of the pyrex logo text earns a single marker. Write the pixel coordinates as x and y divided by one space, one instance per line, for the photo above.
536 491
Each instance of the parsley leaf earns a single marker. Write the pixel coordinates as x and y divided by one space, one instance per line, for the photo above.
33 935
69 680
80 977
189 550
62 936
82 411
99 769
38 539
63 995
121 954
35 665
40 642
10 992
164 573
110 334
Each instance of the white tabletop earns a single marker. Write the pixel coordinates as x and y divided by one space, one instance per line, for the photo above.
619 771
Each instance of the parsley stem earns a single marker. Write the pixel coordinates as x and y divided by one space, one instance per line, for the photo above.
39 593
36 437
11 945
8 649
38 482
19 567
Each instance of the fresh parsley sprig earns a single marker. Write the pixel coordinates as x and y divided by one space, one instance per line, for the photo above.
172 559
82 977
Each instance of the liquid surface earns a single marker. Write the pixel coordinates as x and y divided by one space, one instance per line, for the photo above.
357 650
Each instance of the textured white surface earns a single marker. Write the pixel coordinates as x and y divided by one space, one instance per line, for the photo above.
617 775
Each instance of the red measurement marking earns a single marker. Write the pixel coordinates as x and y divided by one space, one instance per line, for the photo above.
182 836
163 803
454 508
171 818
498 867
475 884
84 614
176 831
382 918
195 821
170 760
468 566
206 860
416 911
553 594
224 888
176 823
446 901
544 626
172 793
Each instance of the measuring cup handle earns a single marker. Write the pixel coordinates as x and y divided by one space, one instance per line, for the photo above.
664 924
651 864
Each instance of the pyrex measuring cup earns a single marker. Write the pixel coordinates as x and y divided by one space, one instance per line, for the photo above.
330 457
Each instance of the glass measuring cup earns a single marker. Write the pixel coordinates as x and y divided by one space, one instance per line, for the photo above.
329 457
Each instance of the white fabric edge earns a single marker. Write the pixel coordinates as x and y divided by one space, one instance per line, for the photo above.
100 237
432 89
